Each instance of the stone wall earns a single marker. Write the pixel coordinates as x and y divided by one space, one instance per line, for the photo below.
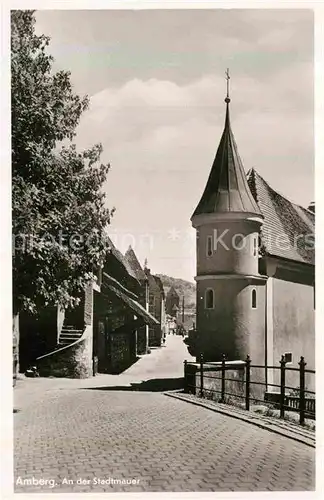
234 385
74 361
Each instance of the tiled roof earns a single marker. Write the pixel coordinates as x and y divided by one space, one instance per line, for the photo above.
120 257
226 189
128 299
288 229
153 285
133 262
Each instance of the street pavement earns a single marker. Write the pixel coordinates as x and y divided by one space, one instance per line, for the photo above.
117 433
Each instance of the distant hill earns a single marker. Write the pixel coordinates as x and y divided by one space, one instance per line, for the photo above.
183 287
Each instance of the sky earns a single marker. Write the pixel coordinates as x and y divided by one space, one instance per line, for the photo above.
156 82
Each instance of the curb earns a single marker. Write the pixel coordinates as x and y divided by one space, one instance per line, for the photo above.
263 425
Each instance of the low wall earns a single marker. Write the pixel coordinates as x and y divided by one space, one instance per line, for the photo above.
212 383
234 388
73 361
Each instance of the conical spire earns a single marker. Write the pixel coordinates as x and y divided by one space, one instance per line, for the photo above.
227 189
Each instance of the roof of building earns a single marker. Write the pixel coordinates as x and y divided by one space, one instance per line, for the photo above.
120 257
153 285
288 228
128 298
133 262
172 292
227 189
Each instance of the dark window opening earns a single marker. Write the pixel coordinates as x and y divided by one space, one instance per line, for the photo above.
254 299
209 246
209 302
255 246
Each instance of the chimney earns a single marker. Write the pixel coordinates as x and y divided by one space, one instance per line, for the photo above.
312 207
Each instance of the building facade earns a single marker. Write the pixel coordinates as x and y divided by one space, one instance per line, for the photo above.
172 302
255 267
156 304
143 332
100 334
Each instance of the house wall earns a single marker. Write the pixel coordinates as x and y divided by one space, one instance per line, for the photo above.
293 325
142 340
155 308
115 339
142 332
121 350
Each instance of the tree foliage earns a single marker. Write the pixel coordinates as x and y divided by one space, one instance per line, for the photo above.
59 214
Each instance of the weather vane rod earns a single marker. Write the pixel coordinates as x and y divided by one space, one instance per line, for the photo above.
227 85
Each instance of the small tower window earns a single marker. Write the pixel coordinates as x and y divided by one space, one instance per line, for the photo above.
255 246
209 299
209 249
254 299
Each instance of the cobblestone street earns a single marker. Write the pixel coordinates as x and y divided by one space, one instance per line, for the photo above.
98 430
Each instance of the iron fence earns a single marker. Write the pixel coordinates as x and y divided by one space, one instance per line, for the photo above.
304 405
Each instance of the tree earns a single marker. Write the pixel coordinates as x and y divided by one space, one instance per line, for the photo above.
58 207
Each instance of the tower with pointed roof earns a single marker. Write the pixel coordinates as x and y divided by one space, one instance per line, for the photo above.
228 221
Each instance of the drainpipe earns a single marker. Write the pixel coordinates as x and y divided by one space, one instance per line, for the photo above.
266 336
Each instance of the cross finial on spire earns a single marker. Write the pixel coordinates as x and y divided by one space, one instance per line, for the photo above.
227 99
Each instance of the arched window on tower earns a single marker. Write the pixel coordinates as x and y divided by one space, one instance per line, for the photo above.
209 298
254 299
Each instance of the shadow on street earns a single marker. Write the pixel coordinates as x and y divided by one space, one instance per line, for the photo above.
152 385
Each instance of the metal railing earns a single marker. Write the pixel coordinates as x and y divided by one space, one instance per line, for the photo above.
305 406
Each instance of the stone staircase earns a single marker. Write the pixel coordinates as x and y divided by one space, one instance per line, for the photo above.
68 335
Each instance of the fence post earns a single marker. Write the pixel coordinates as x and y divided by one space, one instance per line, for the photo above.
223 379
247 382
185 376
282 386
201 375
302 365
